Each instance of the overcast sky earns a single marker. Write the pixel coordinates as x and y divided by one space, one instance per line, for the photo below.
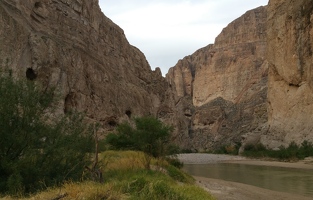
168 30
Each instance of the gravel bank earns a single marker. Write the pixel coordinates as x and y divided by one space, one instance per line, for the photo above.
205 158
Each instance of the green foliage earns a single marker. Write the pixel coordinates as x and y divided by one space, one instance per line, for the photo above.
231 149
178 175
292 152
126 178
186 151
129 176
37 150
172 149
150 135
173 160
143 184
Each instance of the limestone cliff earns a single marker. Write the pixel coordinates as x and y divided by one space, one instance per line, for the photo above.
290 90
227 83
255 80
72 46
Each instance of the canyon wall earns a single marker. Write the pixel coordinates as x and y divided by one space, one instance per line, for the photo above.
290 87
253 84
226 84
73 47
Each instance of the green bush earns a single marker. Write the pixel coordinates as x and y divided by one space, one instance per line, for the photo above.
144 184
37 150
150 135
178 174
231 149
306 149
292 152
186 151
175 162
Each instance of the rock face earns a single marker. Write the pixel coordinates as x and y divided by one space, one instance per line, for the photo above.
290 90
227 84
254 82
72 46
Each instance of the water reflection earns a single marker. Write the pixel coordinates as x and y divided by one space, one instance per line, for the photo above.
296 181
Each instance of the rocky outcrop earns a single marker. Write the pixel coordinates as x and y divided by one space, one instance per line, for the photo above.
290 87
73 47
227 83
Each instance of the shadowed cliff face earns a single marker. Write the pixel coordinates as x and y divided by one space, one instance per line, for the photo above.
227 83
290 91
72 46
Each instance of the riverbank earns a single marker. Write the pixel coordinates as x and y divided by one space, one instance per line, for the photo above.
205 158
226 190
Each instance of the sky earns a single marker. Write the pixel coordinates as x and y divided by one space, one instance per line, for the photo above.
168 30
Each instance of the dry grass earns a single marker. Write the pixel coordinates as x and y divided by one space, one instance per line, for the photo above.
85 190
122 160
125 177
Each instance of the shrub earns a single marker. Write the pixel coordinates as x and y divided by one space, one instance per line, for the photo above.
37 151
150 135
231 149
306 149
175 162
129 181
178 174
186 151
292 152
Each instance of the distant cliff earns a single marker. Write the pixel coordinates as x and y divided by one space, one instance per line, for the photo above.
72 46
226 83
254 84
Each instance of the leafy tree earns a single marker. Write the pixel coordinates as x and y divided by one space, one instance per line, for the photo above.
37 150
149 135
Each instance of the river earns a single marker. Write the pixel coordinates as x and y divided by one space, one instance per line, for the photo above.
289 180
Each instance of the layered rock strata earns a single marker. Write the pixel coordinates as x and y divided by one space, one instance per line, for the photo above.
290 90
73 47
226 83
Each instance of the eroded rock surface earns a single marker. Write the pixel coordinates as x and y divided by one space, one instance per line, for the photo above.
72 46
227 83
290 91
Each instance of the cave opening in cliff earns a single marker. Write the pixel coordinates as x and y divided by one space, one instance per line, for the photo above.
112 123
128 113
69 102
294 85
38 5
30 74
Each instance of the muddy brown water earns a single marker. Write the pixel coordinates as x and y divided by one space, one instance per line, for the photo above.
295 181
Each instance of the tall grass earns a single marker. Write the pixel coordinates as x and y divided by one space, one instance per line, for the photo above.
85 190
126 177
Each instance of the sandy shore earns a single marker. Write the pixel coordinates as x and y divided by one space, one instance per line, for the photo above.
205 158
226 190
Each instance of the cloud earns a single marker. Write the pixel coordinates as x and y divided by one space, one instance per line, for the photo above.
168 30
